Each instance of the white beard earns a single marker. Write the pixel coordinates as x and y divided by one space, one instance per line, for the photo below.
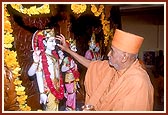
116 66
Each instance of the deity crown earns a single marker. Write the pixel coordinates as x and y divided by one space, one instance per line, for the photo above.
49 33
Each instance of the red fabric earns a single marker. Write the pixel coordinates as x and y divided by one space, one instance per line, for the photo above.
76 73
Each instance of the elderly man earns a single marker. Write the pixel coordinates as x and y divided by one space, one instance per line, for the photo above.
119 84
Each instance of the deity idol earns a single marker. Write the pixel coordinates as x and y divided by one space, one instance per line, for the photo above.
46 66
93 53
71 78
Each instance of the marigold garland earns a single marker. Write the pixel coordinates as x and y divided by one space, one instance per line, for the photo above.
106 24
44 9
97 12
106 28
78 8
10 59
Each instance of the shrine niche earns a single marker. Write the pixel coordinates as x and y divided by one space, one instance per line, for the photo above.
24 26
64 21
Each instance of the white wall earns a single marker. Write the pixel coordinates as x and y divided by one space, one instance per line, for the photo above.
148 26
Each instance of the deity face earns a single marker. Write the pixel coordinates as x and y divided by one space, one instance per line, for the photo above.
92 45
73 45
73 48
50 44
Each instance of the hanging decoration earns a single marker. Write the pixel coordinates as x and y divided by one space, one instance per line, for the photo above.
78 8
105 23
10 59
106 29
97 12
8 37
44 9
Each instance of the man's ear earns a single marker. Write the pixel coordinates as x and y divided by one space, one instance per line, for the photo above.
125 57
45 43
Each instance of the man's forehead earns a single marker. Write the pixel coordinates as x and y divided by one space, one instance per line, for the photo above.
116 49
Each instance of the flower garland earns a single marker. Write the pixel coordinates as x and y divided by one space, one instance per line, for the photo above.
59 94
44 9
8 37
78 8
12 63
106 24
96 11
106 29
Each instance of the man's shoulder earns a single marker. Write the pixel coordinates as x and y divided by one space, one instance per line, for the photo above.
104 62
99 65
137 75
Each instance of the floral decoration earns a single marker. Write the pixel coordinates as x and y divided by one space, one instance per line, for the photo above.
97 12
105 23
78 8
10 59
106 28
44 9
